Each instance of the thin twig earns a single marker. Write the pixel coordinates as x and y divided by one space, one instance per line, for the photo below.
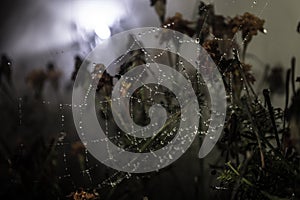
293 63
256 131
271 111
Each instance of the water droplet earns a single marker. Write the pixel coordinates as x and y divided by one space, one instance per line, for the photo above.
265 31
197 40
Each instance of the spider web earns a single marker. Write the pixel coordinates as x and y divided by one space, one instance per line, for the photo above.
94 174
117 177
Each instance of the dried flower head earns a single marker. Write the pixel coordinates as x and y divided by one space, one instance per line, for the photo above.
83 195
248 24
212 47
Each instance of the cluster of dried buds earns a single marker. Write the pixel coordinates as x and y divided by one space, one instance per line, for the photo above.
248 24
83 195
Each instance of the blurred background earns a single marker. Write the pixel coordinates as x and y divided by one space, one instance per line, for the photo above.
56 35
56 30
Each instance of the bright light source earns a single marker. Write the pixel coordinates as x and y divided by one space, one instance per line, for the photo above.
97 16
102 31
